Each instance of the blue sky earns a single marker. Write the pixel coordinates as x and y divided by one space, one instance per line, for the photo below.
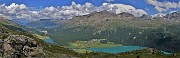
46 3
139 4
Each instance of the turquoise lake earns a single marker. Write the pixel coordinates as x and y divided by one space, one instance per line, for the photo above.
49 40
119 49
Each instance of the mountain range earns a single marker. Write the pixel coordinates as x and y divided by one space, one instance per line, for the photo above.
17 42
124 28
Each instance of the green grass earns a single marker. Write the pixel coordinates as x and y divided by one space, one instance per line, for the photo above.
92 44
82 50
41 37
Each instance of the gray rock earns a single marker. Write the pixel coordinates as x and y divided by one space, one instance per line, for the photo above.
173 16
16 46
146 17
153 51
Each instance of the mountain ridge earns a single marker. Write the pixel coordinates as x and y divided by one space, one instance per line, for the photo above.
121 28
19 35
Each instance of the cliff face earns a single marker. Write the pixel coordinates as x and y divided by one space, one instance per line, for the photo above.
16 46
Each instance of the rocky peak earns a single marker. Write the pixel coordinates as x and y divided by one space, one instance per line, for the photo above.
146 17
103 12
125 14
99 14
173 16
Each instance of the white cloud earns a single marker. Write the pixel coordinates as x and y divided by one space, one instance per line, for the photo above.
139 12
15 11
119 8
14 8
160 9
163 6
159 15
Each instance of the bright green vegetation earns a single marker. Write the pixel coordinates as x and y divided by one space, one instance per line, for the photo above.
95 43
82 50
41 37
80 46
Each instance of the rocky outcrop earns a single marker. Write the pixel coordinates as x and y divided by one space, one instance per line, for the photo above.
16 46
146 17
1 31
153 51
173 16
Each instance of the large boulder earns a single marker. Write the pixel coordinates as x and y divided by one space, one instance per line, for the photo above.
153 51
16 46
